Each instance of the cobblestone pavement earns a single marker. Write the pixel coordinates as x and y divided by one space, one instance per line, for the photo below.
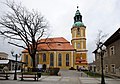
67 77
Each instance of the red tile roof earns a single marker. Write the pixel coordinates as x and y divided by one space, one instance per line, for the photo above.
58 43
54 44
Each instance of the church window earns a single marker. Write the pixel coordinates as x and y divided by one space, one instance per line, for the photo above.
51 59
44 57
59 59
67 59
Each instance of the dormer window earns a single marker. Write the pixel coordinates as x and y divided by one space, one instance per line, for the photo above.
59 44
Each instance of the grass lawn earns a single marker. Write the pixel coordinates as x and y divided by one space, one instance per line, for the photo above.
92 74
96 75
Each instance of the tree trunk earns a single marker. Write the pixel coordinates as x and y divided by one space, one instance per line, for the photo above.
33 59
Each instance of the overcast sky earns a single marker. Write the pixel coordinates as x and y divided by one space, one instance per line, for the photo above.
97 15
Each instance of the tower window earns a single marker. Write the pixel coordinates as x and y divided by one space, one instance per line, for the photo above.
78 31
78 45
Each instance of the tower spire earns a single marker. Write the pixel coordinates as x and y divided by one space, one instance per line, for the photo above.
78 16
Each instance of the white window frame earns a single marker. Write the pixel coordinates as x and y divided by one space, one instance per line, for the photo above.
112 50
106 68
113 68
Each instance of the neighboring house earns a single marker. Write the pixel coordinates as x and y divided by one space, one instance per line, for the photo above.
4 61
111 56
92 67
3 55
58 52
10 64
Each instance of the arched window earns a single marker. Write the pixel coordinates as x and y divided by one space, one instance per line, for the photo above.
67 59
44 57
78 31
59 59
51 59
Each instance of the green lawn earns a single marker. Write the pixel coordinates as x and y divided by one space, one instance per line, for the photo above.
96 75
92 74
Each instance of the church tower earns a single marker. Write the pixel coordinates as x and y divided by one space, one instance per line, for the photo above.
78 31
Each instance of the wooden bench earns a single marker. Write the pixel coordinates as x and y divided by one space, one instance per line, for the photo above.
34 75
4 75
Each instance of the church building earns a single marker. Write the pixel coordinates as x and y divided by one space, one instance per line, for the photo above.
58 52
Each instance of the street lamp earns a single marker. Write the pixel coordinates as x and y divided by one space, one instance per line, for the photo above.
16 55
101 50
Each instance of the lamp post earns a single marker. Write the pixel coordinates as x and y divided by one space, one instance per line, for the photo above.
16 55
101 50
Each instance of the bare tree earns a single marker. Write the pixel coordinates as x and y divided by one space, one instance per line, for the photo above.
100 38
19 24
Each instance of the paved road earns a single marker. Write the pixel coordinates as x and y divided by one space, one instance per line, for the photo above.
67 77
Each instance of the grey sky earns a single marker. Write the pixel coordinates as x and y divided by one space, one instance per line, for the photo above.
97 15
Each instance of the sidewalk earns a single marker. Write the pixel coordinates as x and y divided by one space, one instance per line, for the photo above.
67 77
84 79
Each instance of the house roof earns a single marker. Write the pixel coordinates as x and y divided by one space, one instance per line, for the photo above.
54 44
4 61
54 40
113 38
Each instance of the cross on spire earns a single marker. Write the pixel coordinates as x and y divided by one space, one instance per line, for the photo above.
77 7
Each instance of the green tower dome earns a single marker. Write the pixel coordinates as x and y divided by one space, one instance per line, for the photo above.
78 24
78 19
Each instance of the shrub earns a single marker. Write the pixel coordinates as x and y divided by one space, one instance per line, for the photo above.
72 68
54 71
